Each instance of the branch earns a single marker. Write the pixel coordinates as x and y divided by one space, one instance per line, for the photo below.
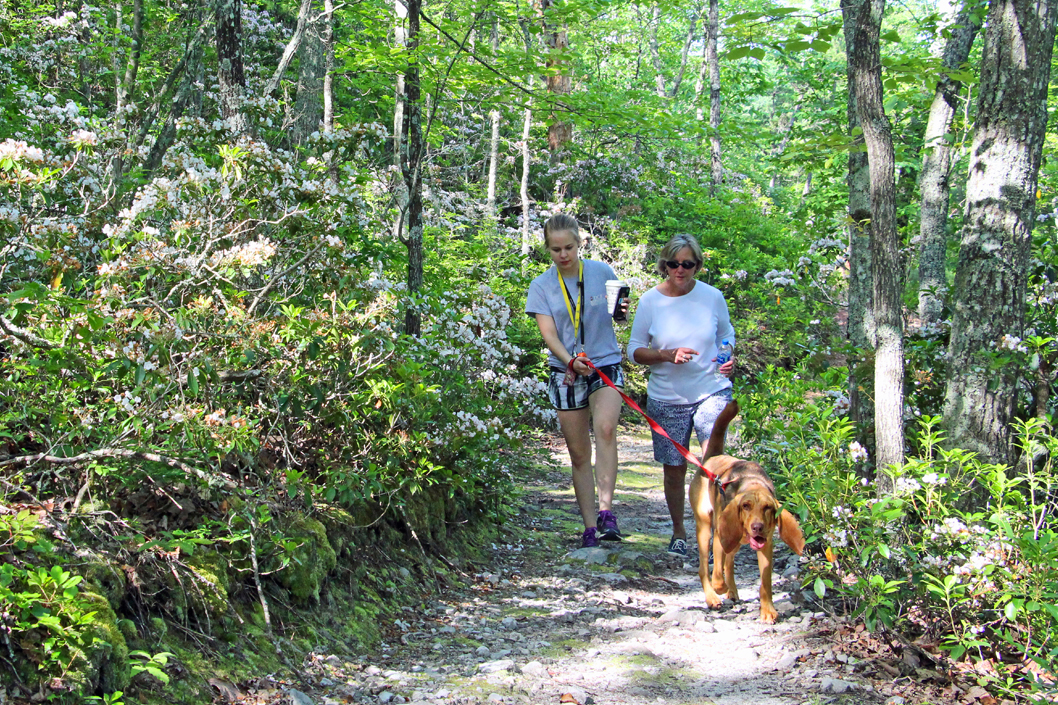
117 453
292 46
25 336
288 270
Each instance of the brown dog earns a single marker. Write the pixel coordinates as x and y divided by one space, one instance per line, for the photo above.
746 512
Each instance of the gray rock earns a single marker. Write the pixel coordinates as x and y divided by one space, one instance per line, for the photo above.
792 571
612 578
495 698
385 696
705 627
533 668
836 686
326 682
895 700
482 650
298 698
447 629
529 594
372 671
590 555
723 625
784 607
499 666
670 616
405 573
509 623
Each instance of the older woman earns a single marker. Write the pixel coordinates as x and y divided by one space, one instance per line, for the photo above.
679 325
569 303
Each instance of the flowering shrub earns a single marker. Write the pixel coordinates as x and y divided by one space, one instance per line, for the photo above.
964 551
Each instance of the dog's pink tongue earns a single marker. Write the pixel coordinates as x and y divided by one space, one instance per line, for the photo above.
756 543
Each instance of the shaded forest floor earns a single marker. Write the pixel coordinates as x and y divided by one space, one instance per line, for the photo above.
547 622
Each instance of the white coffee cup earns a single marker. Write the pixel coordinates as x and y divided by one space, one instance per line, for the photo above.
615 290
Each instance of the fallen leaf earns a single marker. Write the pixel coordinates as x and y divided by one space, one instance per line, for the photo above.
226 690
568 698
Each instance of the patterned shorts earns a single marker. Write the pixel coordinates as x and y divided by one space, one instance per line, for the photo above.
677 420
575 396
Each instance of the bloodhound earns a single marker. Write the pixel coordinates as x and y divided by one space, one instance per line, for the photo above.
746 512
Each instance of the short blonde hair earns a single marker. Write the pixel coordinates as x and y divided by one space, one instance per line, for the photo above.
677 243
561 222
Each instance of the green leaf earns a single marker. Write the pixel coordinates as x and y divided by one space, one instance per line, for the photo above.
738 52
1010 611
883 549
820 588
891 36
192 381
757 53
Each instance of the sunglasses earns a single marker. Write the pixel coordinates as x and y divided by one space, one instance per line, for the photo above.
686 264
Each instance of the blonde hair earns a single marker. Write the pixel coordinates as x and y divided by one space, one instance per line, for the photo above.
559 223
677 243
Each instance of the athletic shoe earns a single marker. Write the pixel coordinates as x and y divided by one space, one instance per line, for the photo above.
678 547
589 539
608 526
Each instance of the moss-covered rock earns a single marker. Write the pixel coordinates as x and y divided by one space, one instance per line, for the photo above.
104 577
105 658
311 559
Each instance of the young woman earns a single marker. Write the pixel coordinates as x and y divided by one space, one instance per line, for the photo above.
679 325
569 303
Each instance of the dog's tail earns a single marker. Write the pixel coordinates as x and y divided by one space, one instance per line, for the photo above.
715 446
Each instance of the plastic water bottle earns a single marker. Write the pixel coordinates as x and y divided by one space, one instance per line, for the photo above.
723 354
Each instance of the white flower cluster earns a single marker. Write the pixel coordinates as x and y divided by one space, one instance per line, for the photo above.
1011 342
932 478
842 404
470 426
17 150
174 416
837 538
739 275
127 401
951 528
250 254
333 241
783 278
824 243
61 22
907 485
857 452
83 138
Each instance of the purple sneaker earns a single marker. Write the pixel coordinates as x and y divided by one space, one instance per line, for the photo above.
608 526
589 539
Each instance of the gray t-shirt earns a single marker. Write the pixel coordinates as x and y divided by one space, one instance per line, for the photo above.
545 296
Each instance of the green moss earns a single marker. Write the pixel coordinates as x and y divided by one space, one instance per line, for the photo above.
311 559
106 579
105 661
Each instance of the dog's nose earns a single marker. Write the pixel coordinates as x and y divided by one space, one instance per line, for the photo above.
758 527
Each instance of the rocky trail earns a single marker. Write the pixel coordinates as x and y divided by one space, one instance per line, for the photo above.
625 624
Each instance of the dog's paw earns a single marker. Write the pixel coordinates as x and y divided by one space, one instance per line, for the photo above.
714 601
720 585
768 614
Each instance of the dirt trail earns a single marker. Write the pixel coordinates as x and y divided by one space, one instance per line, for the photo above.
624 624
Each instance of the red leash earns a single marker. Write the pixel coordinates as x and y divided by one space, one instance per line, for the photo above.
653 424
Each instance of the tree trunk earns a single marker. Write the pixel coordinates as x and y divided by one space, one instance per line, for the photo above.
328 67
291 47
936 166
683 56
127 85
412 157
860 327
885 244
713 59
991 277
655 52
230 74
494 143
307 111
400 40
703 71
558 82
527 124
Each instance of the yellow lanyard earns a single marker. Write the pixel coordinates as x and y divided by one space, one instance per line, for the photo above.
574 318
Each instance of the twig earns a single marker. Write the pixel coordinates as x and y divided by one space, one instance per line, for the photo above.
272 283
260 587
117 453
25 336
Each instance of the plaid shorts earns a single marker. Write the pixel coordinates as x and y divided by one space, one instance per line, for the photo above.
677 420
575 396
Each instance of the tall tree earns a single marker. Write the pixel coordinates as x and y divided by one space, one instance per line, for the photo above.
886 271
860 305
230 75
936 167
307 111
560 131
494 119
526 127
713 59
411 166
992 271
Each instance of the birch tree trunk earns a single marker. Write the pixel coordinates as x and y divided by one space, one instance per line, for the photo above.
559 132
126 85
230 74
412 157
713 59
328 67
526 126
885 244
860 327
936 168
992 273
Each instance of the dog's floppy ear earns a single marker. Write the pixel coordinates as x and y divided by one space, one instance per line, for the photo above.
729 526
790 532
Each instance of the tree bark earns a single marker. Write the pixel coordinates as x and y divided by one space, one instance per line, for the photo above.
703 71
230 73
683 55
126 85
936 167
291 47
328 68
494 142
526 126
885 244
559 132
412 157
307 111
655 52
991 277
860 327
713 59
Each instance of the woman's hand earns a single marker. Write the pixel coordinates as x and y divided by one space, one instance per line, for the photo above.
727 368
682 355
580 366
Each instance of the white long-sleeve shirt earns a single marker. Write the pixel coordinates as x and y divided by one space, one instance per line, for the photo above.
698 320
